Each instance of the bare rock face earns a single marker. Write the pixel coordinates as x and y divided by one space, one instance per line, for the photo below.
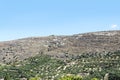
59 46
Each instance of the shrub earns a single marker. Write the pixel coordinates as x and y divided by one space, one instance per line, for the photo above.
7 77
94 79
35 78
71 78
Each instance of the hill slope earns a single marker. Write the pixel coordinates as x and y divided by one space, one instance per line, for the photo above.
59 46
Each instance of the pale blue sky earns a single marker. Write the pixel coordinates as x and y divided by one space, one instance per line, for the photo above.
26 18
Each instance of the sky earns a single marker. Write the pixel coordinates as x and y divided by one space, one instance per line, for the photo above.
29 18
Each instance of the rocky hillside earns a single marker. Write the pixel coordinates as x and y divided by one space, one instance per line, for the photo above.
59 46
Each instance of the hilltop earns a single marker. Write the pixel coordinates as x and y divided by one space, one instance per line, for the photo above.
89 56
59 46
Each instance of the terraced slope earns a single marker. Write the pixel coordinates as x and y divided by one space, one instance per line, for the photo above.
60 46
85 65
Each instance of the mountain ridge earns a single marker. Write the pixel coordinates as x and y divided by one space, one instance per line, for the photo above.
59 46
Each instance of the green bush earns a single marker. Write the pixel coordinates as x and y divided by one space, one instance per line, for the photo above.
94 79
71 78
7 77
35 78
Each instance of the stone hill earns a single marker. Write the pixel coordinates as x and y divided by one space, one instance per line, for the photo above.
59 46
